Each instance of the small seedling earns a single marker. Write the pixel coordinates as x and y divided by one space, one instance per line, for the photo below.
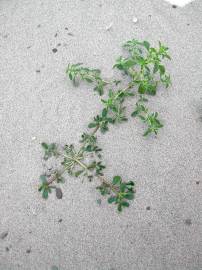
145 69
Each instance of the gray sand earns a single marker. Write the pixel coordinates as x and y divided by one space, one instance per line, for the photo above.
45 105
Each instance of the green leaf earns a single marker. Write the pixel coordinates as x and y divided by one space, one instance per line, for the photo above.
44 145
45 194
129 196
116 180
147 132
111 199
40 187
92 125
104 112
122 187
119 207
162 69
125 204
141 89
134 114
43 179
146 45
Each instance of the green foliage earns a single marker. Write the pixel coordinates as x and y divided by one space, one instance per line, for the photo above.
151 119
44 188
120 193
49 150
76 71
149 63
145 69
101 121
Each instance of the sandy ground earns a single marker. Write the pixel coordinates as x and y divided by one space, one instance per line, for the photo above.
76 233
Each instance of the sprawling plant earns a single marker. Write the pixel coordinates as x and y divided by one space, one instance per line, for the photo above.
143 65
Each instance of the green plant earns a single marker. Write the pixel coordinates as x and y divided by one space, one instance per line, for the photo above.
143 65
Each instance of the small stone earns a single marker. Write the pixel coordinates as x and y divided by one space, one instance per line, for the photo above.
38 25
7 249
28 250
55 34
188 221
59 44
148 208
54 50
33 138
174 6
38 71
58 193
3 235
197 182
70 34
109 26
135 20
60 220
66 28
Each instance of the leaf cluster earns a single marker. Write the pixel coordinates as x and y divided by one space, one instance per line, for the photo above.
151 119
77 71
49 150
120 192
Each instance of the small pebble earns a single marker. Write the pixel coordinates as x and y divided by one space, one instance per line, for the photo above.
66 28
148 208
38 71
197 182
54 50
135 20
60 220
188 221
55 34
174 6
58 193
70 34
28 250
7 249
3 235
33 138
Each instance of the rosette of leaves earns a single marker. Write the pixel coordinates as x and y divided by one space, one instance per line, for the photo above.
118 192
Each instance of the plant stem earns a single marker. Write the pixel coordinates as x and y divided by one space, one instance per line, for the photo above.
53 177
62 171
81 163
103 180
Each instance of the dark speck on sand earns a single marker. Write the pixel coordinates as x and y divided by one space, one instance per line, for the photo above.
188 221
54 50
